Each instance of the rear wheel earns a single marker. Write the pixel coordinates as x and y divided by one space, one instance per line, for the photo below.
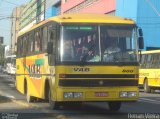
114 105
53 104
146 87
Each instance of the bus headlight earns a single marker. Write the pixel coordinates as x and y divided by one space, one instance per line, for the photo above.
127 94
132 94
123 94
73 94
68 95
77 95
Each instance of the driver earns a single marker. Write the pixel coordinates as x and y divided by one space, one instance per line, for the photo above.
113 48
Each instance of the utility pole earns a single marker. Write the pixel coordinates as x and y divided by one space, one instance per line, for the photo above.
2 50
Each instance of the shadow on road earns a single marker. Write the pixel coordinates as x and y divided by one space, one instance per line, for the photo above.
4 99
89 109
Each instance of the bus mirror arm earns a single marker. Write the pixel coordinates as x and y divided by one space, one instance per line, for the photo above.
141 42
50 47
140 57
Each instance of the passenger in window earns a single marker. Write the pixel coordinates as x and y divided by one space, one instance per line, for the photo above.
37 41
78 48
88 49
95 57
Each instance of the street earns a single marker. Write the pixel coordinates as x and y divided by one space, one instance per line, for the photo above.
13 105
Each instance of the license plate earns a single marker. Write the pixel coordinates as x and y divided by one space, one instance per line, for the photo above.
101 94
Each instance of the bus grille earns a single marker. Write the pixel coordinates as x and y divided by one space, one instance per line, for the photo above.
97 80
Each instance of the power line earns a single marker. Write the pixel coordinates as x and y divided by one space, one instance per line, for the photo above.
7 18
153 7
10 2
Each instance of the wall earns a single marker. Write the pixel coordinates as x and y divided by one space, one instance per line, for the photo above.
147 15
88 6
52 8
126 8
32 13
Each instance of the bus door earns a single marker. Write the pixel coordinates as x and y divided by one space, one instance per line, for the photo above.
24 44
52 55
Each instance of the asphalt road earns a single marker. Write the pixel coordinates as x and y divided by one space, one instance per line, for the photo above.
13 105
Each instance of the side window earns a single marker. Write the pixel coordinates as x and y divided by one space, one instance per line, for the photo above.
37 40
155 61
24 45
18 47
21 47
158 61
51 33
31 40
143 61
52 38
44 38
27 44
148 65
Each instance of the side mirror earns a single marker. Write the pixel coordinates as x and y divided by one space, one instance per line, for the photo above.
140 32
141 42
50 47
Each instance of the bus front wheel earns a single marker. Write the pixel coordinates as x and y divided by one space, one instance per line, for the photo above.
114 105
53 104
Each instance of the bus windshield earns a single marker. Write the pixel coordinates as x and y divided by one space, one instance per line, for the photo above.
98 43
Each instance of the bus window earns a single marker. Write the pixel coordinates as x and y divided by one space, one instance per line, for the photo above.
123 38
80 43
52 39
24 45
44 38
27 44
31 40
148 61
37 40
143 61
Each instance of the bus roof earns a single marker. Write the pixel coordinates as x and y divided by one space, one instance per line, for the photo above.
84 18
151 52
90 18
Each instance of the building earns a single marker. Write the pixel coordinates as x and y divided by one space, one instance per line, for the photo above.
147 15
52 8
33 13
88 6
15 27
38 10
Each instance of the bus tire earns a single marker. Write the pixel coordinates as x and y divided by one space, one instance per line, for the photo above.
146 87
53 104
114 105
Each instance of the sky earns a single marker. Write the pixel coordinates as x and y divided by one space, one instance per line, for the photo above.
6 7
